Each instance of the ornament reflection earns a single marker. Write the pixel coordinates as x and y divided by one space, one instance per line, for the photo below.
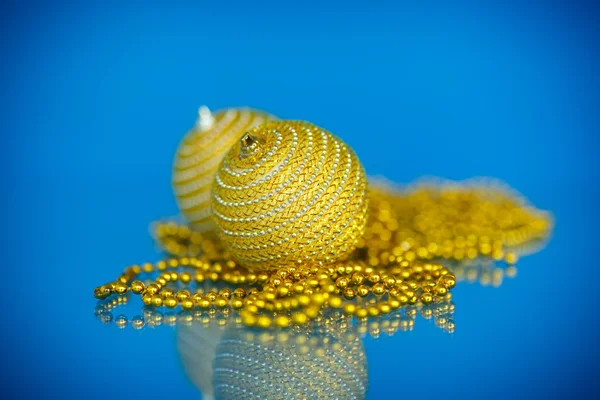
235 362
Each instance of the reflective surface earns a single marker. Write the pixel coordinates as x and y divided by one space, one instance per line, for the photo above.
503 319
226 360
330 357
251 364
97 97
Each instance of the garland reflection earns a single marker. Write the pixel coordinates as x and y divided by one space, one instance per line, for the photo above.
227 360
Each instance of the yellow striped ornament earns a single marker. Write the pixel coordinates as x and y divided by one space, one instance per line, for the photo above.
289 192
198 157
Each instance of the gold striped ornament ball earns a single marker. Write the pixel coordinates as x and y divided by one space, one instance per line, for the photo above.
289 192
199 155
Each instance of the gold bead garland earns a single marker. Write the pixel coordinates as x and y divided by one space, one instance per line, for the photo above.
181 240
199 155
389 271
290 296
288 193
462 222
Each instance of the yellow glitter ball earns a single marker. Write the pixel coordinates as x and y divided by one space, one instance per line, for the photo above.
199 155
289 192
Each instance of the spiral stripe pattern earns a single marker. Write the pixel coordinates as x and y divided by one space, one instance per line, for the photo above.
336 369
198 158
289 192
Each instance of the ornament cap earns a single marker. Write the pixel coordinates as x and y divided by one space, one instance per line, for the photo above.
249 145
205 119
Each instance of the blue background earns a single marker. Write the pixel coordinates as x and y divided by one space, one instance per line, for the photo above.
95 97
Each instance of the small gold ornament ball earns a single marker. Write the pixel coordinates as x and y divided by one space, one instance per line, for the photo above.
199 155
288 192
